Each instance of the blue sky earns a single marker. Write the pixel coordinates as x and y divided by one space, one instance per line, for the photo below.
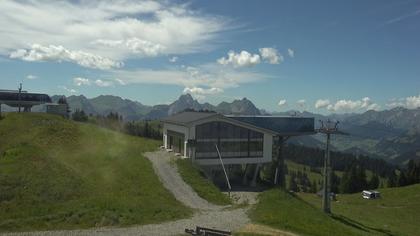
321 56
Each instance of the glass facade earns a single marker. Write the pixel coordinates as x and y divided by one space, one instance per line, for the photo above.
233 141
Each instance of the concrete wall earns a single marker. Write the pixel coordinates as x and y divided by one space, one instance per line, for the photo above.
177 128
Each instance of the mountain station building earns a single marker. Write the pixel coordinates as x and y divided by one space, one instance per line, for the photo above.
24 100
240 139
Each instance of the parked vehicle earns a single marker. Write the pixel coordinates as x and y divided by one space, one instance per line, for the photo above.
371 194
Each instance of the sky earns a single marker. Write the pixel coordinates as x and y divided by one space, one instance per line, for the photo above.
319 56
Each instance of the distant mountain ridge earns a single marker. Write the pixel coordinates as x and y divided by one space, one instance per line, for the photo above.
132 110
390 134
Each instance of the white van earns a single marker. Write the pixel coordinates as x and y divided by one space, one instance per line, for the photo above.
371 194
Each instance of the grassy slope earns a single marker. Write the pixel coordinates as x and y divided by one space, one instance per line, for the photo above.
291 165
204 187
282 210
55 173
397 213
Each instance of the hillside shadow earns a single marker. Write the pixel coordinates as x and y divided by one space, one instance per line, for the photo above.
360 226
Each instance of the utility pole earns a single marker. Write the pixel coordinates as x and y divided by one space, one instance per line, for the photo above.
329 127
20 91
279 175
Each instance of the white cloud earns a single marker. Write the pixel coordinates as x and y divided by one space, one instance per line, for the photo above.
322 103
103 83
38 52
69 90
344 105
291 52
173 59
201 93
31 77
301 103
133 45
242 59
411 102
353 105
203 76
79 81
282 102
121 82
247 59
271 55
99 30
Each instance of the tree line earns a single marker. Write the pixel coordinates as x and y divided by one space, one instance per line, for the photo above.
115 121
314 158
354 168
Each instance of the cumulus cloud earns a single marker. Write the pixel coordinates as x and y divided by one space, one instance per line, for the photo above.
271 55
242 59
282 102
38 52
79 81
291 52
117 30
31 77
322 103
353 105
173 59
103 83
411 102
201 93
301 103
247 59
69 90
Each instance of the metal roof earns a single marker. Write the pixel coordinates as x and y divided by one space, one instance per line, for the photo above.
274 124
24 99
280 124
187 117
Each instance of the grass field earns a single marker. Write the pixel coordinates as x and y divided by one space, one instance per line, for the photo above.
282 210
397 213
202 186
317 177
58 174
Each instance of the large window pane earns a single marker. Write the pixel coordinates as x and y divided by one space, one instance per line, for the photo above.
233 141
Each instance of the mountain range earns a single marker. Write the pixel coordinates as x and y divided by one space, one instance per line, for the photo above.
390 134
132 110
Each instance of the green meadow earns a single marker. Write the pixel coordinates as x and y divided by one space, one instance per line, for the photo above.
59 174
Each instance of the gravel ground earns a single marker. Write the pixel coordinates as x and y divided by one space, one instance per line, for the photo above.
170 178
206 215
223 220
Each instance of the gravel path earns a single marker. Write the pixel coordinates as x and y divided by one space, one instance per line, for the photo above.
206 215
224 220
170 178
